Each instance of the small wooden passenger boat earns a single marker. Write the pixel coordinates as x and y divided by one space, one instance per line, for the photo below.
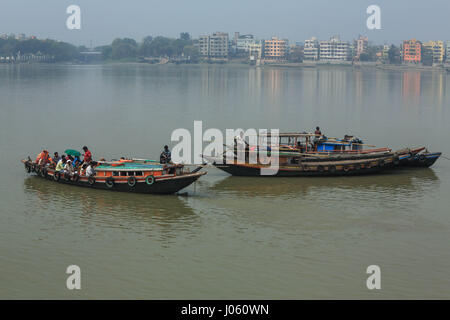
126 176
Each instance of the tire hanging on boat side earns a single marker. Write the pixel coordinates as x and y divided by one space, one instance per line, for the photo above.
150 180
56 175
91 181
131 181
44 173
109 182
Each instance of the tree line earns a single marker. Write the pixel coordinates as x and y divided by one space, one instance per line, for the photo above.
61 51
127 48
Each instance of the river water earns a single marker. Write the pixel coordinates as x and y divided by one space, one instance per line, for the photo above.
231 237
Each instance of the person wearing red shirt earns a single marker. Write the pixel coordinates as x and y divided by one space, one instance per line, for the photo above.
87 156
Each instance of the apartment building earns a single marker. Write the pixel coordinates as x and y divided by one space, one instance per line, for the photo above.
243 42
255 51
334 50
311 49
360 45
447 54
412 51
436 49
214 46
276 49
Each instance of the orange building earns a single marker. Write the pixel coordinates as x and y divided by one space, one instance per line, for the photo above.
412 51
275 49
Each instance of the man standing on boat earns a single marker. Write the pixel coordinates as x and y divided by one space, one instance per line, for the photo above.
318 133
87 156
165 156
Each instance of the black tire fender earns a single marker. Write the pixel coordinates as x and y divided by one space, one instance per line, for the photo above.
56 175
150 180
109 182
91 180
131 181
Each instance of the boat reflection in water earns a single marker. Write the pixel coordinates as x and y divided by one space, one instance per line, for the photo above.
409 182
167 216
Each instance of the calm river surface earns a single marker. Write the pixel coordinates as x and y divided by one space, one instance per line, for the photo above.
232 237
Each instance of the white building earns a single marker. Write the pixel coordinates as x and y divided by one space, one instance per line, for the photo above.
244 42
214 46
311 49
447 50
334 50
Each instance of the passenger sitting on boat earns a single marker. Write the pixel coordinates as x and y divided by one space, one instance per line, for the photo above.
60 165
87 156
90 169
43 158
82 169
76 161
166 156
69 167
56 158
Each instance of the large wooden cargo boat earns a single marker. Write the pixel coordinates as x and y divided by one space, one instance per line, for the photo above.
300 168
306 154
310 147
131 176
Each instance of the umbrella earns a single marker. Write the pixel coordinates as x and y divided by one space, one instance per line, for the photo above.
73 153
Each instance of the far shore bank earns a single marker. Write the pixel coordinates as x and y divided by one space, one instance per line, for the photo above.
290 65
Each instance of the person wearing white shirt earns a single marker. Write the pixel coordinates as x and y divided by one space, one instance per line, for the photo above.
90 170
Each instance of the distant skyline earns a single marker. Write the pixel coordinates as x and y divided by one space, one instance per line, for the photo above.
103 20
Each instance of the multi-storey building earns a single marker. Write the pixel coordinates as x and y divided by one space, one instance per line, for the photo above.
447 52
334 50
255 51
276 49
436 50
311 49
412 51
214 46
243 42
360 46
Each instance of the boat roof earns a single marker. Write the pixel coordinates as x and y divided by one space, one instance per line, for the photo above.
130 166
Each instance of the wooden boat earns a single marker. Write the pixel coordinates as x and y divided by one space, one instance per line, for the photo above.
311 147
423 160
126 176
299 168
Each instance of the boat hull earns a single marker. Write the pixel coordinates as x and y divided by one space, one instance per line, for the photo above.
309 169
247 171
422 160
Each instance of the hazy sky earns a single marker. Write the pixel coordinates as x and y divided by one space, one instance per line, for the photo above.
104 20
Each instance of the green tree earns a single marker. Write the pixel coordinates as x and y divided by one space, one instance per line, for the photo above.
185 36
124 48
296 54
394 55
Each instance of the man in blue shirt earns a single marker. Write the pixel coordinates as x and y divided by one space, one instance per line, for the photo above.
165 156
